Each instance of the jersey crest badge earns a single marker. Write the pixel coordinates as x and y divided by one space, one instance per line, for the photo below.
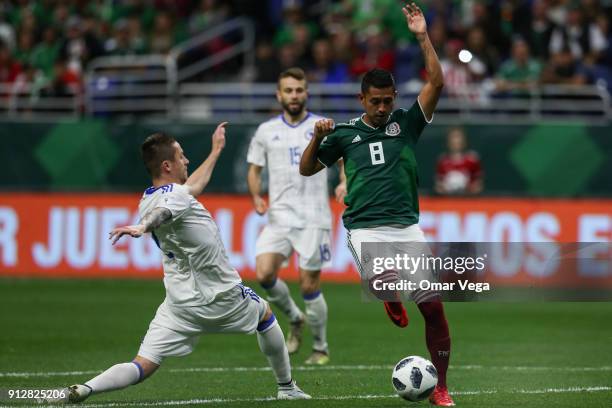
393 129
309 134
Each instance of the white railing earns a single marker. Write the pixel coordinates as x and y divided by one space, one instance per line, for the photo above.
147 94
28 100
240 102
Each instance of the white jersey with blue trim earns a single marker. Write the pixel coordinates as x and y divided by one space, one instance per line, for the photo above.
196 266
295 201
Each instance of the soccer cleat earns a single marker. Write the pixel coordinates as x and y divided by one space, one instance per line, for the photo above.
291 392
294 337
317 358
397 313
70 395
441 397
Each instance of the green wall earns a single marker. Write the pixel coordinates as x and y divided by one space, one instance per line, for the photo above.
93 155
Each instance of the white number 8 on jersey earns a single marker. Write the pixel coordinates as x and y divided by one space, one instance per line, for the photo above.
376 153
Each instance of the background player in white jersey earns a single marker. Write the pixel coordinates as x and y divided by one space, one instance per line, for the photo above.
299 215
204 294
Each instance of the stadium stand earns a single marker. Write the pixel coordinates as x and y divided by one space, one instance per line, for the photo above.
518 60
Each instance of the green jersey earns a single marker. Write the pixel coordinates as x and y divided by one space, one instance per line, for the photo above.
380 167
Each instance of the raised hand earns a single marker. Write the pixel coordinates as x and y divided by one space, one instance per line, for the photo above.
218 138
415 19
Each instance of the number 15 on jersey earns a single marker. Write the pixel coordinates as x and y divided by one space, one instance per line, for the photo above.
295 155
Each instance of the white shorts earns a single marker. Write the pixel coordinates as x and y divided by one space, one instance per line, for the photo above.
384 234
311 244
174 331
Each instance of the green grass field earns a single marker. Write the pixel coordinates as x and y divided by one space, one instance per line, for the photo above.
59 332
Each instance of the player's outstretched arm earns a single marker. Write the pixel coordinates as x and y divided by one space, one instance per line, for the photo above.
429 95
199 179
254 184
148 223
309 164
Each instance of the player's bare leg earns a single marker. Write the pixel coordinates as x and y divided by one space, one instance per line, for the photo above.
115 378
272 344
438 341
266 269
316 315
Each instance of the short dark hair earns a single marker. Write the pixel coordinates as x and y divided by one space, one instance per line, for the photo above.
155 149
377 78
294 72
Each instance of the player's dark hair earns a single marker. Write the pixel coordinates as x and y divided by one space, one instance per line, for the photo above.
294 72
155 149
377 78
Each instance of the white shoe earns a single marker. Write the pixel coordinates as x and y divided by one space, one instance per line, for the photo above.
294 336
78 393
291 392
69 395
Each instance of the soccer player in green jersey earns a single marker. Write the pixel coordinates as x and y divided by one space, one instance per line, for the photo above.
381 172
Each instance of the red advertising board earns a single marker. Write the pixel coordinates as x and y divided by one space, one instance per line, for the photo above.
67 234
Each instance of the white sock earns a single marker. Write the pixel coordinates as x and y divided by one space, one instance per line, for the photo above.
316 318
272 344
279 296
117 377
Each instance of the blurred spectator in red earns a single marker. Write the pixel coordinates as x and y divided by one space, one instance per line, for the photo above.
584 39
458 170
325 68
521 72
376 53
9 68
65 82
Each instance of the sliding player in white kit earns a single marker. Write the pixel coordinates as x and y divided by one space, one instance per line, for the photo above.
204 294
299 215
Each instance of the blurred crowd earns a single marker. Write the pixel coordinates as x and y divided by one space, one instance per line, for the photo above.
512 44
